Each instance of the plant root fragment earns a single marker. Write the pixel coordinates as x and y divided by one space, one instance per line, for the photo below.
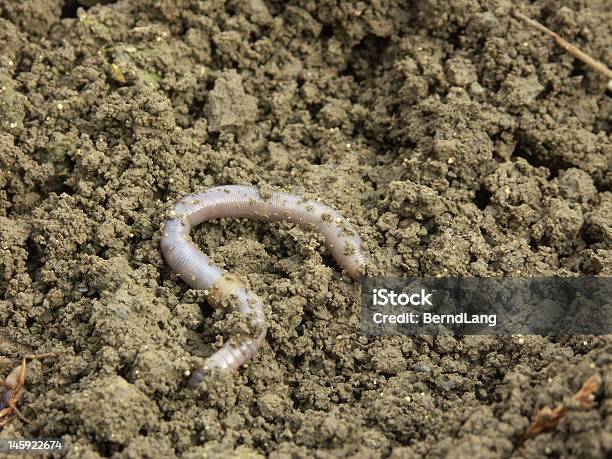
13 386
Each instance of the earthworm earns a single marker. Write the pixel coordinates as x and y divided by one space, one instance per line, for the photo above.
197 269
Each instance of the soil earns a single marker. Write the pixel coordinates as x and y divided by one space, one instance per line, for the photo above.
458 141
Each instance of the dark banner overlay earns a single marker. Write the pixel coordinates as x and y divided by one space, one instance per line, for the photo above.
486 306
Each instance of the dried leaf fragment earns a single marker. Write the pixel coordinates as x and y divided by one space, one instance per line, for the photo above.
547 418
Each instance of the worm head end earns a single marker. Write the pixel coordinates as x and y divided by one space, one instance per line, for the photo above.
196 378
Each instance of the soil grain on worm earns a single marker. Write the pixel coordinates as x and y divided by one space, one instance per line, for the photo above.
456 140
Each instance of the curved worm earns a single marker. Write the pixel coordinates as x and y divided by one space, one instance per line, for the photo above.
236 201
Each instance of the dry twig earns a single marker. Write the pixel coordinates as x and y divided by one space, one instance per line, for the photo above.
570 48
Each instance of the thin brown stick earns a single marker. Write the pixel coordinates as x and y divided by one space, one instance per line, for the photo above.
572 49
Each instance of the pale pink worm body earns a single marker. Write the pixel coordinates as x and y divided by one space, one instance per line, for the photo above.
235 201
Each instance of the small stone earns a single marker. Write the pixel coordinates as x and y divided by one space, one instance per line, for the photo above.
228 105
461 71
